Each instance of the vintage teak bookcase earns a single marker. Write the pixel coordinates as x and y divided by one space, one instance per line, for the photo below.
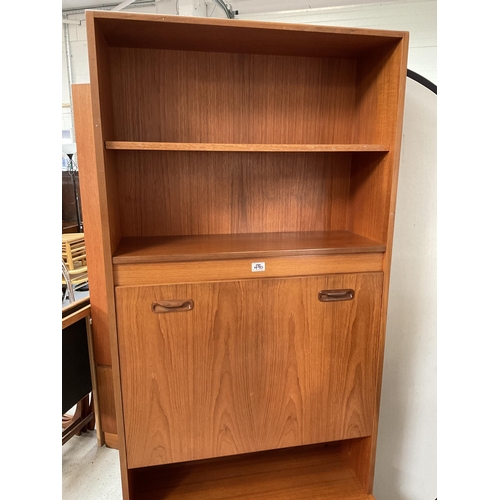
246 179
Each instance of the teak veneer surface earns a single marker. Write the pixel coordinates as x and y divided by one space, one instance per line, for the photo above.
237 36
91 210
207 97
195 193
237 246
264 148
306 473
255 365
158 273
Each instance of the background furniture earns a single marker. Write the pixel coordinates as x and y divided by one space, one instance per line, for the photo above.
74 262
71 204
246 177
78 373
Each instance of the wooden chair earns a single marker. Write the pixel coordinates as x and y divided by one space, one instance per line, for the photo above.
74 258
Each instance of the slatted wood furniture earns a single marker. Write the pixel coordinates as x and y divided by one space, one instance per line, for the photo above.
246 177
74 257
73 249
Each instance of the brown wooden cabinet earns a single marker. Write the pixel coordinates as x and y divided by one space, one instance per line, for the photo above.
246 177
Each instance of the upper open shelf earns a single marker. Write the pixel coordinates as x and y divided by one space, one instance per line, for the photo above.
262 148
238 36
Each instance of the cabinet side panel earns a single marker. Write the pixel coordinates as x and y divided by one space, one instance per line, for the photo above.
91 208
255 365
100 81
377 95
98 66
175 193
362 452
379 102
106 399
370 195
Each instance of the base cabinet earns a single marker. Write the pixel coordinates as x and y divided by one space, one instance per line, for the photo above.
215 369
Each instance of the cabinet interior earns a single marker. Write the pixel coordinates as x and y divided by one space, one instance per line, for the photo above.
249 97
317 471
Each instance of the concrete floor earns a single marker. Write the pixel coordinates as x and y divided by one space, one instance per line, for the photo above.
79 295
90 472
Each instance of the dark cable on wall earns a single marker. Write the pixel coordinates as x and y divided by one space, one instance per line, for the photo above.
423 81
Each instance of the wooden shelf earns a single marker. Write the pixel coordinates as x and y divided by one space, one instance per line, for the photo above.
256 148
306 473
238 36
239 246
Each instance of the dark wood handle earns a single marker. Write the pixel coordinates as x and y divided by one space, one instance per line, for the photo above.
169 306
335 295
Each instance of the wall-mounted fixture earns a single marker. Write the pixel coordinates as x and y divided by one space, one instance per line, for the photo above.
227 8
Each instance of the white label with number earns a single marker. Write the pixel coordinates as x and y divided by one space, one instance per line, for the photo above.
258 267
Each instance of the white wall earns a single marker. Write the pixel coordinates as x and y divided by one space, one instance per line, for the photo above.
406 455
407 443
77 36
418 17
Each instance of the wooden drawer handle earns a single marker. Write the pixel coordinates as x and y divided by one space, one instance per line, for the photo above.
170 306
335 295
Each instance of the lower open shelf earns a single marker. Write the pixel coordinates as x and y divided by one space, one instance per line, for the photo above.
304 473
239 246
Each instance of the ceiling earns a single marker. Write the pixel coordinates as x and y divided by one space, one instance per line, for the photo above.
242 5
80 4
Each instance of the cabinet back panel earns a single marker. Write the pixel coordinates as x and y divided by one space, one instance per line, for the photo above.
189 193
255 365
183 96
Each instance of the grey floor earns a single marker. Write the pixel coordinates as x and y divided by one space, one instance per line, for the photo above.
79 295
90 472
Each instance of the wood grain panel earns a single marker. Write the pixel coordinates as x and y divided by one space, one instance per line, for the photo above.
109 213
181 193
377 97
200 97
103 127
264 148
363 452
237 246
370 194
256 365
220 270
176 32
111 441
106 399
91 211
305 473
379 79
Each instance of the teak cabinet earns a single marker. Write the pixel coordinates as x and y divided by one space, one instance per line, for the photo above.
246 178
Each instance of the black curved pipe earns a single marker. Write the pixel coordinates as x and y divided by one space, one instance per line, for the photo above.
423 81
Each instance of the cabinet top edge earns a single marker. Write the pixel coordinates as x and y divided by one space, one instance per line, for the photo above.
127 17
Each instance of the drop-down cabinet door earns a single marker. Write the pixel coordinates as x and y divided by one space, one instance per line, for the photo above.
214 369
